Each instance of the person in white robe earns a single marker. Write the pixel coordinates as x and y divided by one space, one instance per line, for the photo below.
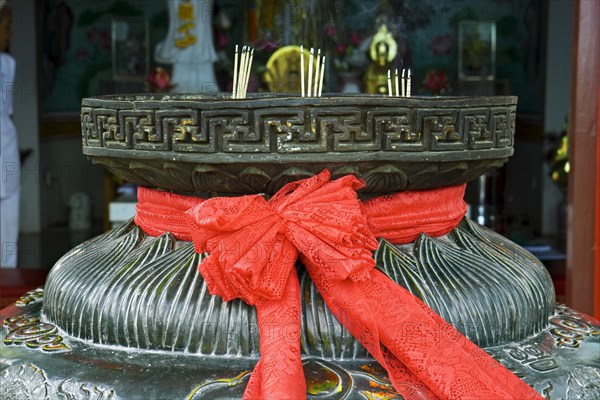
10 166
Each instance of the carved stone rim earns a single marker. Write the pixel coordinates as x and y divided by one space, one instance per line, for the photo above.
220 100
334 160
392 143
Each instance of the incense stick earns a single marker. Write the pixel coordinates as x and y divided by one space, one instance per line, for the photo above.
247 75
389 81
243 61
321 77
403 83
397 83
302 70
314 86
235 73
241 71
310 71
317 74
408 84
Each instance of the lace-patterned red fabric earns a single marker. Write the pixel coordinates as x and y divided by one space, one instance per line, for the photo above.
253 245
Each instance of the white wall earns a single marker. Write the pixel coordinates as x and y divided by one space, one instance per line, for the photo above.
26 112
559 45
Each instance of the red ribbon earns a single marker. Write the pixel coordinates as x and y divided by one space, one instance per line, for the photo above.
253 245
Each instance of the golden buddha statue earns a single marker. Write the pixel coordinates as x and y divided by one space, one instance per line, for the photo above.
383 51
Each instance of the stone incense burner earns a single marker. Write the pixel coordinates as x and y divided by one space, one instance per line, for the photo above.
128 316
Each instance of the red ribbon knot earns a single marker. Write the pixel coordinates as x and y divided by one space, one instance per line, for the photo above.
253 245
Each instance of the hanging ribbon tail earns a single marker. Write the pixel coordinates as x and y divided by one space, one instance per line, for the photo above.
441 357
426 358
279 374
349 301
250 258
253 246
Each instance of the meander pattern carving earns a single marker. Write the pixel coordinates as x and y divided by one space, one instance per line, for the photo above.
195 144
298 130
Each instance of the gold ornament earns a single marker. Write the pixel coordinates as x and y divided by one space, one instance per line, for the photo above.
383 51
283 69
185 13
383 48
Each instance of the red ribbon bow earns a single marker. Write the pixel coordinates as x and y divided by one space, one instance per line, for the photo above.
253 245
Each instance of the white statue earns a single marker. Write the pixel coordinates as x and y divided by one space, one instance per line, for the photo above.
189 46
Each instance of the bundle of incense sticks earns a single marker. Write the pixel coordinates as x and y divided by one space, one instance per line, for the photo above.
314 87
241 72
405 80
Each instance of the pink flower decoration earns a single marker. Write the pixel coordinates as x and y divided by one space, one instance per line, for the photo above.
222 40
99 38
340 48
441 44
330 30
159 78
266 45
354 38
81 55
435 80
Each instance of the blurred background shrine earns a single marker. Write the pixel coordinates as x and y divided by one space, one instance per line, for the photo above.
68 49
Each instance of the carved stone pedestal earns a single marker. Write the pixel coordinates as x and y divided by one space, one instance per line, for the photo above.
128 316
